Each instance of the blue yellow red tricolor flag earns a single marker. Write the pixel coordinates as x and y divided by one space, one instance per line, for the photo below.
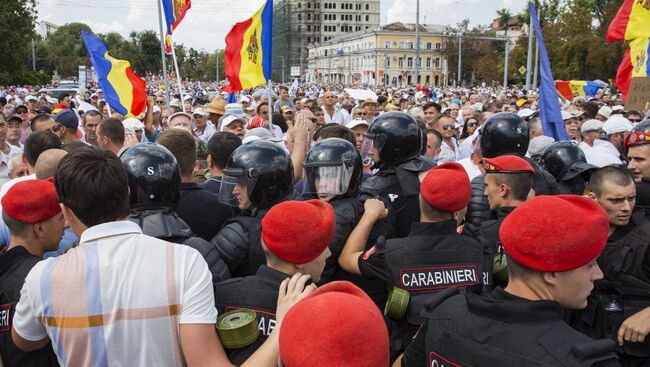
631 22
174 12
635 64
585 88
124 91
248 51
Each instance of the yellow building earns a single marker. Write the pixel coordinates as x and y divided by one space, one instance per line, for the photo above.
382 56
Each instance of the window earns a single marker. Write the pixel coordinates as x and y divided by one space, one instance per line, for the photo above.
367 16
308 28
358 28
367 7
387 44
437 63
299 16
308 16
400 62
308 39
410 45
308 5
401 44
387 61
438 45
409 62
299 5
333 5
428 62
429 44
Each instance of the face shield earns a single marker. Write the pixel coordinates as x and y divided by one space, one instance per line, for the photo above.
327 180
370 143
235 184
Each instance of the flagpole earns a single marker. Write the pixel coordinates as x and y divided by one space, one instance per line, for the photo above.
178 75
268 83
162 55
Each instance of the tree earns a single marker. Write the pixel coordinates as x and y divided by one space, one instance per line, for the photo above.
17 24
66 49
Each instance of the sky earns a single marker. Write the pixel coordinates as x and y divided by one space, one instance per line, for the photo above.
208 21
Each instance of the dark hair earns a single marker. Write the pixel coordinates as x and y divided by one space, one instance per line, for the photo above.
92 183
259 107
183 146
90 113
61 97
37 143
74 146
38 118
519 183
437 134
220 147
113 129
633 112
432 104
284 88
16 227
616 175
335 130
316 109
22 107
465 134
591 110
278 119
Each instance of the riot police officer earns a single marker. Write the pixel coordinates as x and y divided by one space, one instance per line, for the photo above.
257 176
568 164
637 147
504 133
295 238
432 258
154 192
619 306
394 142
552 243
31 211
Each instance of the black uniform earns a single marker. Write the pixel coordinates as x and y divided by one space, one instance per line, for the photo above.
399 186
625 289
257 292
643 194
15 264
500 329
202 210
432 258
165 224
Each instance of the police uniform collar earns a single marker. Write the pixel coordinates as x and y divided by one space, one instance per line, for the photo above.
505 210
501 305
12 256
271 274
444 227
190 186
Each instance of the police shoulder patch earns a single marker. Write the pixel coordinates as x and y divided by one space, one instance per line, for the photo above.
436 360
5 318
369 252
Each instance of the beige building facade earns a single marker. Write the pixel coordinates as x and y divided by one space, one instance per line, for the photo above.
384 55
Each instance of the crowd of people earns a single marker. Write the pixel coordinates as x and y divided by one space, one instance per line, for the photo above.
305 226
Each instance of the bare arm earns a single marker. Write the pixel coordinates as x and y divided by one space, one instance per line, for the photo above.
356 243
300 144
28 345
148 119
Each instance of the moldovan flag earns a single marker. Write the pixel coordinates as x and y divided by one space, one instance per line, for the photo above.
248 50
174 12
635 64
124 91
631 22
569 88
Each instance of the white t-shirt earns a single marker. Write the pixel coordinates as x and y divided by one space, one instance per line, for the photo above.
117 299
338 116
472 170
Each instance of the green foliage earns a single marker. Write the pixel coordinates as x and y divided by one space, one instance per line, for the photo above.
17 24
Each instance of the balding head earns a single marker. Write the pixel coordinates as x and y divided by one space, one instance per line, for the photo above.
48 162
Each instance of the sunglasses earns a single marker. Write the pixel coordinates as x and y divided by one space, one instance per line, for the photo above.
56 128
288 112
361 113
313 119
634 120
472 124
160 102
447 127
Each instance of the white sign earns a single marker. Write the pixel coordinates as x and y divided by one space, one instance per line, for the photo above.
295 71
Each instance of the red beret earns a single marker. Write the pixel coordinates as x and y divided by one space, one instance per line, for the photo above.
31 201
555 233
507 164
298 231
336 325
446 187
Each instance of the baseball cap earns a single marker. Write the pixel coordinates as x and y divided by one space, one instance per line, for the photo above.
566 115
605 111
156 109
617 124
235 109
229 119
67 118
200 112
591 125
356 122
31 98
259 133
525 113
133 124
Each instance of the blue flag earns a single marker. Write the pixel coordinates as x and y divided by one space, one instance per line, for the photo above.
549 107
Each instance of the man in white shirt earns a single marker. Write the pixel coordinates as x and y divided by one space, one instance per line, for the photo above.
450 148
122 298
331 113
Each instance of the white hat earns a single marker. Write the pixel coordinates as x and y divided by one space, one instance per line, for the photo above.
356 122
566 115
156 109
591 125
31 98
245 99
605 111
618 108
188 97
229 119
525 113
599 156
259 133
538 144
133 124
199 111
617 124
234 109
304 100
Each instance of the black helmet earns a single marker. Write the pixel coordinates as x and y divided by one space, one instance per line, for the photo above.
640 134
397 136
266 169
154 176
565 161
337 159
504 133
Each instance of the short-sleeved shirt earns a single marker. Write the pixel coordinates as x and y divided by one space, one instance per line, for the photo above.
117 299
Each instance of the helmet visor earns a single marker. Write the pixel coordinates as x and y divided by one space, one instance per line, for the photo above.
233 189
327 180
366 150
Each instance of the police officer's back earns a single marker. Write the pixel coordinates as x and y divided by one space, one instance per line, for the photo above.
257 176
33 215
295 238
432 258
620 303
502 134
568 164
396 143
154 192
552 243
